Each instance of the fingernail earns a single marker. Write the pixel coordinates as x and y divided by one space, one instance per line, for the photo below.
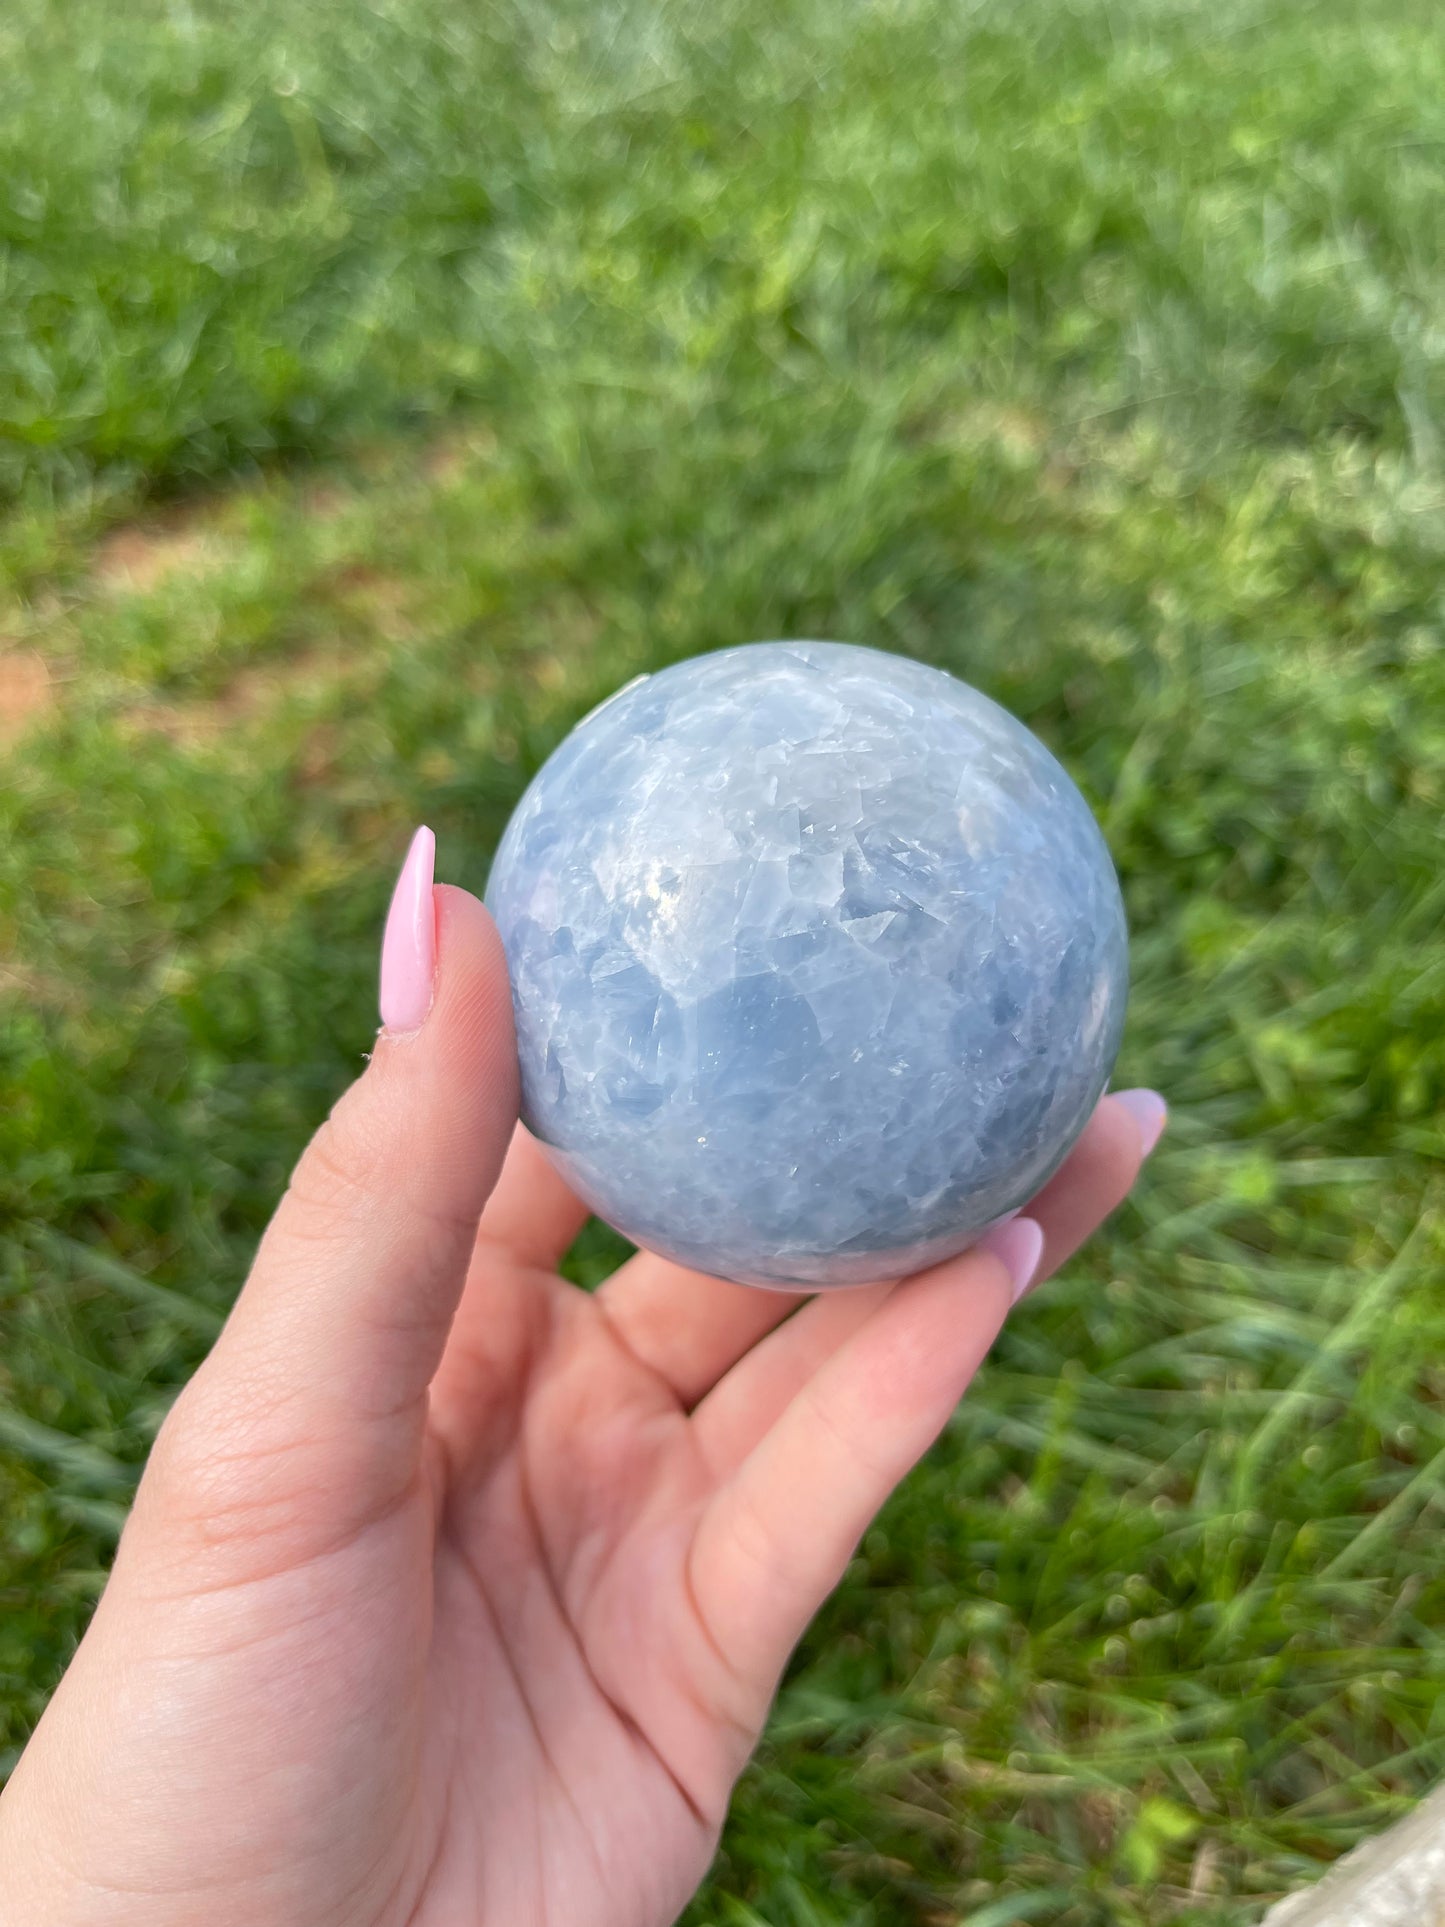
409 943
1018 1245
1149 1112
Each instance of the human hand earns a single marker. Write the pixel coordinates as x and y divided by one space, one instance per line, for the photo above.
455 1596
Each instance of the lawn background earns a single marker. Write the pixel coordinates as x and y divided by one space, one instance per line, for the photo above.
382 384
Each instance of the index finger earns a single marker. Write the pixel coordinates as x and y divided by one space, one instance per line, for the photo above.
533 1214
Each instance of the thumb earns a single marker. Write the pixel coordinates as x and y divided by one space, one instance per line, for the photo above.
319 1380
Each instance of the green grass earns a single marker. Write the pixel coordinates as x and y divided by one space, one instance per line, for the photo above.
380 385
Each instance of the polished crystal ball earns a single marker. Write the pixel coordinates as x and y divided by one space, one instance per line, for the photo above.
818 961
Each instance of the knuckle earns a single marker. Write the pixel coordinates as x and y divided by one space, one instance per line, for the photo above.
341 1166
211 1469
236 1478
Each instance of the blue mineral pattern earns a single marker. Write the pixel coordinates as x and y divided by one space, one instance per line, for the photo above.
818 961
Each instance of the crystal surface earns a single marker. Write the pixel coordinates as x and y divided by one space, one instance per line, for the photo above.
818 961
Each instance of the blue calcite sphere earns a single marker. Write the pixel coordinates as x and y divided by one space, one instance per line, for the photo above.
818 961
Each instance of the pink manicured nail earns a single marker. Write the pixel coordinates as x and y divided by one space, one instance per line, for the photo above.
1149 1112
1018 1244
409 943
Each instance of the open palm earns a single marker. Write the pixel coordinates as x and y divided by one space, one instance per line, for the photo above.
453 1595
